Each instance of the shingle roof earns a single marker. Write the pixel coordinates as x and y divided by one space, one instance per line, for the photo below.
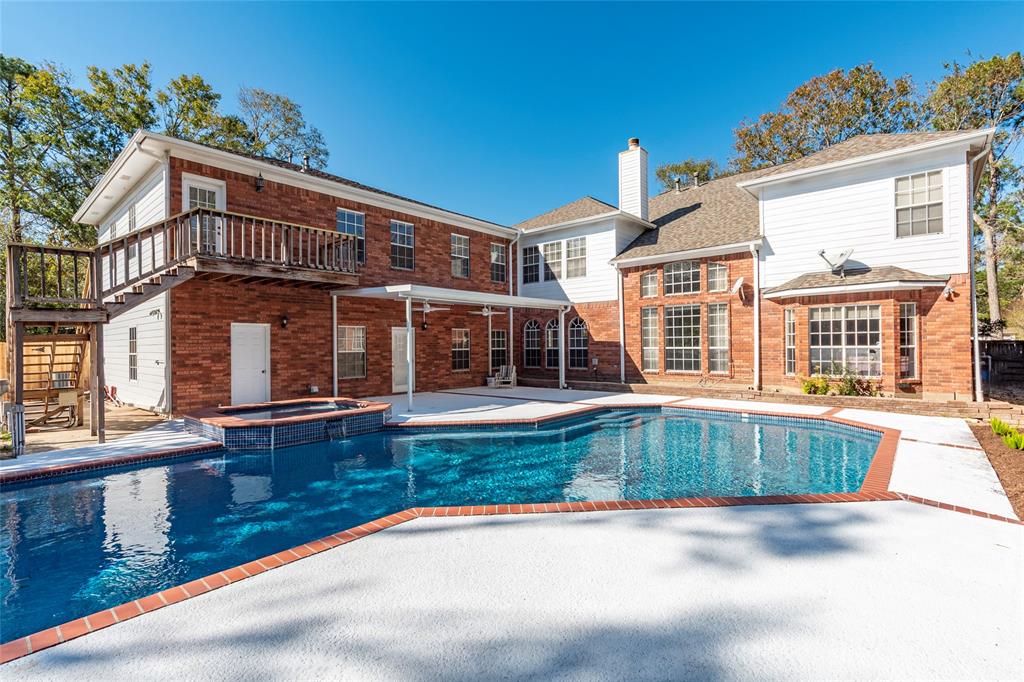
719 213
584 207
884 273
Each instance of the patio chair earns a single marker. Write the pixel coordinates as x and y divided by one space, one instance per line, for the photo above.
506 377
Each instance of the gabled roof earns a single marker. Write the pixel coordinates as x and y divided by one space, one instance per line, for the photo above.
882 275
582 208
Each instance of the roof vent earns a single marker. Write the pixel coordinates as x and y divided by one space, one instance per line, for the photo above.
679 184
305 162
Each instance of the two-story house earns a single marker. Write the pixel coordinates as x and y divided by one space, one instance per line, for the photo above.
854 259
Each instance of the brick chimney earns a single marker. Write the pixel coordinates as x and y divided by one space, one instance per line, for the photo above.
633 179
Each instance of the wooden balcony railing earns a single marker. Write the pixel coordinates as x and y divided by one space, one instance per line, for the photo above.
50 277
206 233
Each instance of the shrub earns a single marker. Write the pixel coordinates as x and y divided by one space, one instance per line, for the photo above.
999 427
1014 440
816 385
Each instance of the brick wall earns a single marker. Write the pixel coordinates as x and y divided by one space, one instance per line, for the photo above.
603 342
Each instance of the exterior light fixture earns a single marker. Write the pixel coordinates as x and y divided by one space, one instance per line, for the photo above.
284 322
259 182
949 292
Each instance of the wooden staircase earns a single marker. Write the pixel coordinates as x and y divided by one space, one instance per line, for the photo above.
53 375
137 294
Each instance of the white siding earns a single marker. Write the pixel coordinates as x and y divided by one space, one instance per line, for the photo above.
149 391
149 201
633 182
856 209
605 239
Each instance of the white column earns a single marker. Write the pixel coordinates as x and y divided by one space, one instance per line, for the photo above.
757 317
334 339
409 350
561 347
490 370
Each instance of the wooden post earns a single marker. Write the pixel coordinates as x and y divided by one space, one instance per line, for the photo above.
17 415
95 390
101 429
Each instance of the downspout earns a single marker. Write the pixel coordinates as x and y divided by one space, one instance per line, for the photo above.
979 395
757 317
334 342
561 348
622 329
511 311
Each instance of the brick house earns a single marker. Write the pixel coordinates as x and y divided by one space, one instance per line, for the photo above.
244 279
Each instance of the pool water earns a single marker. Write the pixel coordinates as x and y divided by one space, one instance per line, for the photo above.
291 410
72 546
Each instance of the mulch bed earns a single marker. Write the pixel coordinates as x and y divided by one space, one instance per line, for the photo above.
1008 463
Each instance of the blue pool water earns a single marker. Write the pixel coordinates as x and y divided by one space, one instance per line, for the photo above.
76 545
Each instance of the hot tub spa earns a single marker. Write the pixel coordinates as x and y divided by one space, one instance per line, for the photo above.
287 422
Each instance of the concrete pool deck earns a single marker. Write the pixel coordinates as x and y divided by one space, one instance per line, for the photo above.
859 590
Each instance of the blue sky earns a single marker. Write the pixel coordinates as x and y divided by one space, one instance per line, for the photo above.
507 110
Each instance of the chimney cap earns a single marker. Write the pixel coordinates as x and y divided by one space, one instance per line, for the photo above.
634 142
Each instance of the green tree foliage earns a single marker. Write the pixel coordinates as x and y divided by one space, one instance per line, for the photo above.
278 128
691 171
824 111
989 93
19 159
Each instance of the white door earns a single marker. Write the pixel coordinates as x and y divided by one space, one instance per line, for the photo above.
399 368
250 363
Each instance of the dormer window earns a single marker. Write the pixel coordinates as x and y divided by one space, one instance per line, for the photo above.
919 204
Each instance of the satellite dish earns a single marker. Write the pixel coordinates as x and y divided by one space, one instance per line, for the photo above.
836 259
738 286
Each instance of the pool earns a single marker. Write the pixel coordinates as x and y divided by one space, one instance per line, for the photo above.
284 411
75 545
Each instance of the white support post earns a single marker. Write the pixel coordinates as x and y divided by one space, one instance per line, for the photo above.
561 348
334 340
490 367
409 350
757 317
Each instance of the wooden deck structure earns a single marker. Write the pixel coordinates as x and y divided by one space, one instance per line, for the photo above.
58 298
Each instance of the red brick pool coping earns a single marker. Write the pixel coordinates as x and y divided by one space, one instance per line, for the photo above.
873 489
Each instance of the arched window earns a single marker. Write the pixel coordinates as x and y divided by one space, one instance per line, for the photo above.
551 343
579 344
531 344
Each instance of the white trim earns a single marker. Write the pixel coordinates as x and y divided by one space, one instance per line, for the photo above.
866 159
272 173
455 296
615 213
691 254
189 180
894 285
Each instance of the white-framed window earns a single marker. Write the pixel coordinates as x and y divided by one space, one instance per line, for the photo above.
552 261
846 337
576 257
460 350
579 344
682 338
531 264
649 339
531 344
206 231
908 340
133 245
499 348
551 354
131 218
353 223
133 353
790 340
403 245
682 278
351 352
649 284
718 277
460 256
499 258
718 337
919 204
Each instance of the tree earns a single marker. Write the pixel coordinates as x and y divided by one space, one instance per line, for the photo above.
278 128
189 109
18 156
691 171
824 111
989 93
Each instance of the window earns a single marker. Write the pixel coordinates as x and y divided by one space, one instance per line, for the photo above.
131 218
531 265
576 257
133 246
133 353
403 253
551 332
649 284
790 334
552 261
908 340
682 338
351 352
718 337
498 262
718 277
204 231
531 344
649 339
499 348
919 204
579 344
350 222
460 256
682 278
460 350
846 337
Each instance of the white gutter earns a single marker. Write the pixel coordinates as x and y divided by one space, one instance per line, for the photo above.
691 253
757 316
453 296
979 394
895 285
